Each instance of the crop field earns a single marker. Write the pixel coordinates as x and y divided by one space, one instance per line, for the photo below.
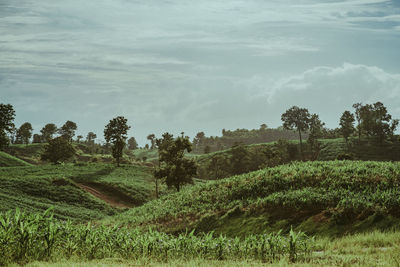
333 197
28 237
36 188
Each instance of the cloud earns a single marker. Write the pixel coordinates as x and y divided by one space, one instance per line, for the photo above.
330 90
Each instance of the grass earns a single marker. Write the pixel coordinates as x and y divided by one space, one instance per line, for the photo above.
331 198
6 160
36 188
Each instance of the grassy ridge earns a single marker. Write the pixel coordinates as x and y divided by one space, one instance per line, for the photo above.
37 188
332 197
7 160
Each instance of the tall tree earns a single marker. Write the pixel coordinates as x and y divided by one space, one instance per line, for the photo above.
37 138
315 131
58 149
174 167
357 107
90 137
48 131
7 115
132 144
24 133
347 124
115 133
68 130
298 119
152 139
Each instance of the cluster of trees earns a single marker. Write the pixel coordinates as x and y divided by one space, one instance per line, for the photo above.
373 120
242 159
204 144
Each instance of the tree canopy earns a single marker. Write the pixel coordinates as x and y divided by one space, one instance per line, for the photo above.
116 133
7 115
174 167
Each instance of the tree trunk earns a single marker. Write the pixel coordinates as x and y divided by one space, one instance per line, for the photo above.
177 187
301 145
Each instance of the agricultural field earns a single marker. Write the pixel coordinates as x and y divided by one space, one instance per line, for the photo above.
329 198
76 191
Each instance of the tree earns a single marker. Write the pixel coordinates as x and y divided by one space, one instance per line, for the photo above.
58 149
68 130
347 124
48 131
315 132
174 167
132 144
24 133
152 139
115 133
240 159
78 138
90 137
357 107
298 119
7 115
37 138
376 121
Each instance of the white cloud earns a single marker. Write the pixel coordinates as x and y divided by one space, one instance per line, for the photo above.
330 90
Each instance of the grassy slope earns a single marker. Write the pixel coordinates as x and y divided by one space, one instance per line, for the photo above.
7 160
39 187
330 198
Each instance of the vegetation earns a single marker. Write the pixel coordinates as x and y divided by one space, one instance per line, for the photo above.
7 115
7 160
298 194
115 132
174 167
28 237
58 149
68 130
24 134
48 131
36 188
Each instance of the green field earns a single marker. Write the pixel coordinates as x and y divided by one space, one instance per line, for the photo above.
347 210
36 188
328 198
6 160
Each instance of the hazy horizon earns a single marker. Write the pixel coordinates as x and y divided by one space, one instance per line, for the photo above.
203 66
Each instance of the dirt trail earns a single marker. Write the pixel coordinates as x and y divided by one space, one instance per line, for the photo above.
108 194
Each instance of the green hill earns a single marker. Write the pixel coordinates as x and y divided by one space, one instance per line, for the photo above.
257 156
328 198
77 191
6 160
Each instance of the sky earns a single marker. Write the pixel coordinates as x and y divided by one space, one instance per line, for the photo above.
183 65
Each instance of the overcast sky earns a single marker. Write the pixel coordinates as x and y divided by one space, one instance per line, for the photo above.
181 65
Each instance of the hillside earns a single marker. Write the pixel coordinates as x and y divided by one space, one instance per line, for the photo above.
328 198
77 191
6 160
257 156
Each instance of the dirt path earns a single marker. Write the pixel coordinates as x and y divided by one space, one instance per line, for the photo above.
108 194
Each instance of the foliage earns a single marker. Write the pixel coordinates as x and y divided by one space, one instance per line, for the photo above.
24 133
347 124
315 132
36 188
48 131
7 160
58 149
28 237
229 138
7 115
68 130
115 133
132 144
344 189
297 119
174 167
